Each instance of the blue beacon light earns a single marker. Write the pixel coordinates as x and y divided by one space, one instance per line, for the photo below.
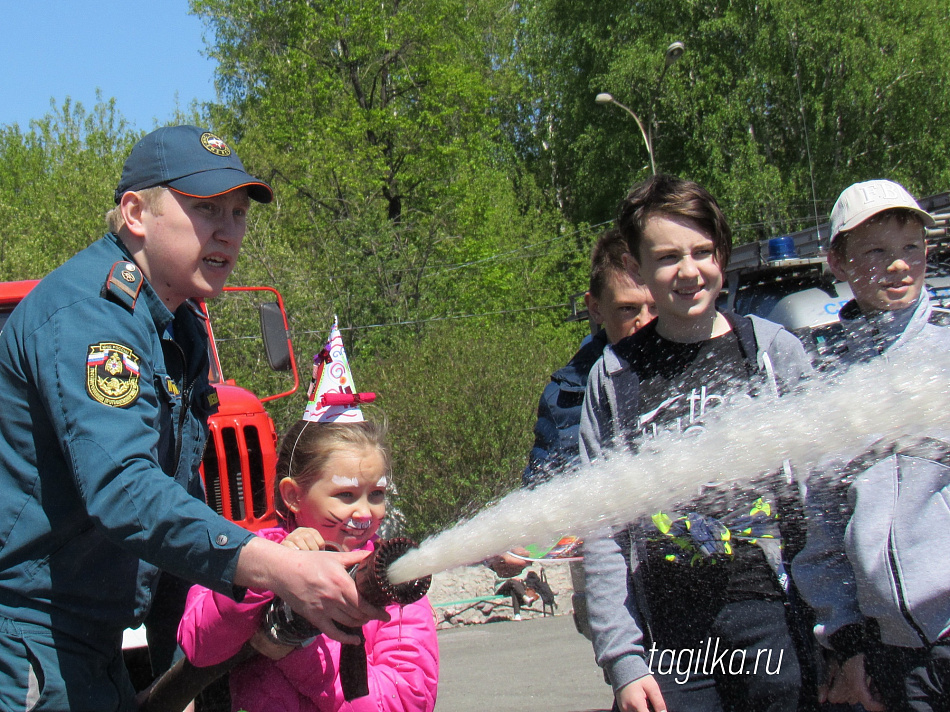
782 248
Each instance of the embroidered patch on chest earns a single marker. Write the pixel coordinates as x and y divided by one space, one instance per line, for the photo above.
112 374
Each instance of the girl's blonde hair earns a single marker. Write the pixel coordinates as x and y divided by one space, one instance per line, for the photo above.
307 446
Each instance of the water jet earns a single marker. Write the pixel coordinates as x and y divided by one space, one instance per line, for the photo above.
830 417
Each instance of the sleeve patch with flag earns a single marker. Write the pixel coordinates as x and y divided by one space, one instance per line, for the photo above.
112 374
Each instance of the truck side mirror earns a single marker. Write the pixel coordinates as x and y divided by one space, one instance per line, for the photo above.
274 331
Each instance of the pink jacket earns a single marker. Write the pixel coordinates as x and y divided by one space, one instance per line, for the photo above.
402 656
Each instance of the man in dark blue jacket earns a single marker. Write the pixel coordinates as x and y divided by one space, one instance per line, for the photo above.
104 394
620 305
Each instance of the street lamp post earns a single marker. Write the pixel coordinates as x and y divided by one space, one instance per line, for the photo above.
606 98
673 53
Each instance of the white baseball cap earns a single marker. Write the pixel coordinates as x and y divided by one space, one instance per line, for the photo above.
861 201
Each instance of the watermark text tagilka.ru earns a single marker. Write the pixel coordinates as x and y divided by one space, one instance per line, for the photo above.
712 659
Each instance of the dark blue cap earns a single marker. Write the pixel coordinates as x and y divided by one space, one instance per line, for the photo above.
190 160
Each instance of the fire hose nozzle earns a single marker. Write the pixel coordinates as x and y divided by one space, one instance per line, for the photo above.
183 682
372 575
285 627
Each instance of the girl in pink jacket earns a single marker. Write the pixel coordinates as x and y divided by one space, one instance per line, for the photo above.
332 480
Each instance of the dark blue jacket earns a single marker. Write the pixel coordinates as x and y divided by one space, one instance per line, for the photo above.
559 415
102 431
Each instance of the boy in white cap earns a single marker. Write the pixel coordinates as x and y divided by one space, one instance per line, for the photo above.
104 394
875 523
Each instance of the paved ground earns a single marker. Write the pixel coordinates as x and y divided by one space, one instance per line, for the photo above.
541 664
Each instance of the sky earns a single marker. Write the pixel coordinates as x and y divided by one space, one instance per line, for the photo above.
141 52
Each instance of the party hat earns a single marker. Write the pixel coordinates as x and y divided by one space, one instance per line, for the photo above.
331 397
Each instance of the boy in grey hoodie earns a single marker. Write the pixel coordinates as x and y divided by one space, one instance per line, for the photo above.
706 583
873 567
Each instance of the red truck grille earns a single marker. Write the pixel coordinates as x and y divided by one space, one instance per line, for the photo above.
234 470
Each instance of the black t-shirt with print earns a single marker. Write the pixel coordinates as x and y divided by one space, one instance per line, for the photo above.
680 383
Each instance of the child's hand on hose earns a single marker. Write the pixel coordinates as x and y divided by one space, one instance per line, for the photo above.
301 539
305 539
849 683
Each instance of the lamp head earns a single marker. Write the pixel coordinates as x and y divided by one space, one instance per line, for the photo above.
674 52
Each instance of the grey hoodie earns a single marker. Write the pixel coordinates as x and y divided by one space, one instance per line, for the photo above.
879 526
615 619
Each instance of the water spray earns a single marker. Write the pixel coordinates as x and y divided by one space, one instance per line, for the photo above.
183 682
903 395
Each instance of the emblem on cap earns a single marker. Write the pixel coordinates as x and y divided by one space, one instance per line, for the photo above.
214 144
112 374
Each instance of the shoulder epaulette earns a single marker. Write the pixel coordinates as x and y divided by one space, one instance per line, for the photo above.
124 284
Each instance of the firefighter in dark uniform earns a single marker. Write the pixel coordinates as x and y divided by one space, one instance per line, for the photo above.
104 398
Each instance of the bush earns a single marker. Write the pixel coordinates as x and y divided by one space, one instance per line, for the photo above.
461 400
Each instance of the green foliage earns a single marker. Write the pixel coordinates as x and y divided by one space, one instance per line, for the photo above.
460 397
398 203
768 97
461 401
374 122
56 184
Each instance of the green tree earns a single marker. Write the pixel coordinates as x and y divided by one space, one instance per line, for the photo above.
56 183
402 208
770 99
376 124
461 403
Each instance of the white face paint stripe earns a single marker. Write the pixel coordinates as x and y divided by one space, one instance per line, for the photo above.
345 481
382 482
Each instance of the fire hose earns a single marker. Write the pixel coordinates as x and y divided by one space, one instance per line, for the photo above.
183 681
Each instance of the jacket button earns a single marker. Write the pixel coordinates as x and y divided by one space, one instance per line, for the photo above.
221 539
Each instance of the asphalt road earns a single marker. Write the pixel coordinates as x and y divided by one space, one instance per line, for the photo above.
540 664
